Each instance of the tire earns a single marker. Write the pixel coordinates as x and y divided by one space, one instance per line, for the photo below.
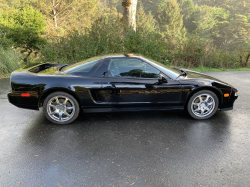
203 105
61 108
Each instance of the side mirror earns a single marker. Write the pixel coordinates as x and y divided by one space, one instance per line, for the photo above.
162 79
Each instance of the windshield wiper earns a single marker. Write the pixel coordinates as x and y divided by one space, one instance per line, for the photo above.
183 73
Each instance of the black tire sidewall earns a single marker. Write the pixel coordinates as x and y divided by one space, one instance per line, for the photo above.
199 93
77 108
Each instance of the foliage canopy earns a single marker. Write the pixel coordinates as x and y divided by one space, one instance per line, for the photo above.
187 33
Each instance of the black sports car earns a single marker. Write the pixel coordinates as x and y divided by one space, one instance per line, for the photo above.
118 83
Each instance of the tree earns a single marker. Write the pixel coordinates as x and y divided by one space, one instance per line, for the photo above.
233 30
232 33
129 13
187 8
111 3
233 6
67 15
206 18
170 21
24 27
149 5
145 22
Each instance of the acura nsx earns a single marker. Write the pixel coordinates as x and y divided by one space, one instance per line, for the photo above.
118 83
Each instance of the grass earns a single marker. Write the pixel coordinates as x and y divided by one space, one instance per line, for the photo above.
5 76
9 61
203 69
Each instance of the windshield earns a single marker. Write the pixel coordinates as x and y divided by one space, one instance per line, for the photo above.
173 73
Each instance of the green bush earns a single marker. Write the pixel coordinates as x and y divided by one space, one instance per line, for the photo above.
107 36
9 61
103 37
200 52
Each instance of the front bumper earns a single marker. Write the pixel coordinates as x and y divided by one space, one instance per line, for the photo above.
228 105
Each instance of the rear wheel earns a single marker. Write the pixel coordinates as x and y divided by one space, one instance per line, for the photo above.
61 108
203 104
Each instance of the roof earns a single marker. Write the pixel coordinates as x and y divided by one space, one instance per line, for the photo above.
122 55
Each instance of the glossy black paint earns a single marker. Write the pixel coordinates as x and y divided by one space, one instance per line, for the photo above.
104 93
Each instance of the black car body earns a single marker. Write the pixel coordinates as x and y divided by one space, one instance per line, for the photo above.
115 83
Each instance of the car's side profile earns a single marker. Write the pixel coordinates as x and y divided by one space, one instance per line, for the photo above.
118 83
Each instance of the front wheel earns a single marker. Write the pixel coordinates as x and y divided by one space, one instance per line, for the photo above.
61 108
203 104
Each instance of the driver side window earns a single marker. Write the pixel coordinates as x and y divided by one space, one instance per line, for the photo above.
132 68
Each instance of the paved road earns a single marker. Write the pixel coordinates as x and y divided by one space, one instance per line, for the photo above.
138 149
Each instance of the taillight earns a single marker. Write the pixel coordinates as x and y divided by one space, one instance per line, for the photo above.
25 95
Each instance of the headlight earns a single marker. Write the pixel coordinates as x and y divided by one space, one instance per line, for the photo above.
236 94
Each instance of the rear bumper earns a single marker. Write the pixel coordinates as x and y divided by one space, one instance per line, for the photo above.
13 100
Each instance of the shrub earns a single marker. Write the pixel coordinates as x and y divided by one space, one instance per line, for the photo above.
9 61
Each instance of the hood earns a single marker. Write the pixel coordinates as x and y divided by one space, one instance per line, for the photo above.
198 75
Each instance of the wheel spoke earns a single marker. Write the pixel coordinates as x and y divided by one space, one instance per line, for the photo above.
57 101
200 99
209 104
196 104
202 112
197 110
53 113
53 106
208 97
66 114
65 101
208 109
69 108
60 116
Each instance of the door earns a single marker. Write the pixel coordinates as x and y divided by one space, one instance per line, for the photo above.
133 83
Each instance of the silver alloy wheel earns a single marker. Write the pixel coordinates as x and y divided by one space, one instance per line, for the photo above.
203 105
60 108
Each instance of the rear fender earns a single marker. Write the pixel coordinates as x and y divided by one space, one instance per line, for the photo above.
59 89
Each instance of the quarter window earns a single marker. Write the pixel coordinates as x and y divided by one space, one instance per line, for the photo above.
132 68
86 69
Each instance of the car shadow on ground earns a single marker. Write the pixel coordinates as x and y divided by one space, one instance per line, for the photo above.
130 124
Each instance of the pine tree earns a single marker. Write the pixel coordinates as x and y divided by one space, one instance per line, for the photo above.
187 8
170 21
232 27
145 22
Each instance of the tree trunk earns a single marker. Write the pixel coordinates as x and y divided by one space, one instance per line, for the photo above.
27 58
129 13
248 56
54 12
